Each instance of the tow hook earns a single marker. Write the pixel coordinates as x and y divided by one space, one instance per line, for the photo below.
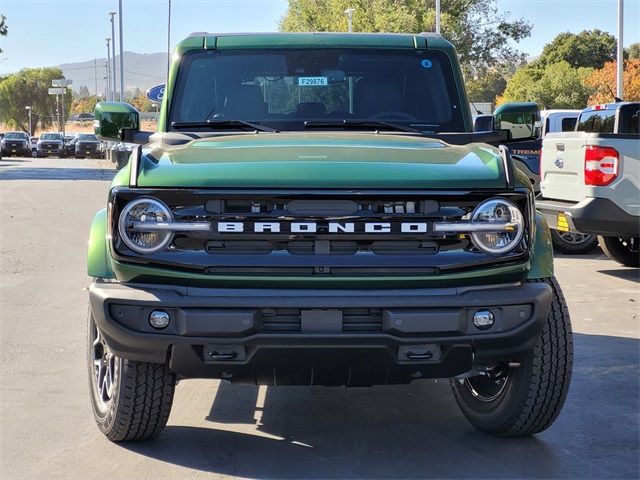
214 355
424 355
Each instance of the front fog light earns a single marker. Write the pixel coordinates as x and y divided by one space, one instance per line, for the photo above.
159 319
140 212
508 218
483 319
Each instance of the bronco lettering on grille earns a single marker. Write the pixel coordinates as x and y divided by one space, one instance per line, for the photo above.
326 227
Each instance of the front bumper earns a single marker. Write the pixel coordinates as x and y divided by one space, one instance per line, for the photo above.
229 333
19 149
87 151
46 151
595 216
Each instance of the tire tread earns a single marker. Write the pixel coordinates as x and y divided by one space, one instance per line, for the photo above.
145 403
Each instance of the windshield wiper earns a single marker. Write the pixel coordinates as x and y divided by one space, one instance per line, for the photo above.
222 125
360 124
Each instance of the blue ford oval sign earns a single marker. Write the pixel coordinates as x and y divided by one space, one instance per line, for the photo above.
156 93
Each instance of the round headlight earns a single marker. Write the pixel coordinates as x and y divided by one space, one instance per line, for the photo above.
141 211
505 239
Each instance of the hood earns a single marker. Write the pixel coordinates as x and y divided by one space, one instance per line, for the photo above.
322 160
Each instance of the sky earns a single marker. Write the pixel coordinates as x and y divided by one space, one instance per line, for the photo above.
52 32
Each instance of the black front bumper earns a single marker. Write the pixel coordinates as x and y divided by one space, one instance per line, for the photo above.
227 333
90 150
20 149
595 216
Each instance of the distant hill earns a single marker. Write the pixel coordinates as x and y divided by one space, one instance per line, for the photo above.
141 70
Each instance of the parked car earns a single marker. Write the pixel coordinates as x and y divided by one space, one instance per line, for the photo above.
326 216
15 144
33 141
591 179
87 145
519 117
70 144
82 117
51 144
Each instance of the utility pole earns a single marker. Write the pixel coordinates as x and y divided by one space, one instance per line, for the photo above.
620 56
60 88
113 54
121 52
106 81
95 75
437 16
108 95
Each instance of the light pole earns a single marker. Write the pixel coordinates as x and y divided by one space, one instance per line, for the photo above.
121 52
438 16
109 96
349 13
620 56
28 108
113 53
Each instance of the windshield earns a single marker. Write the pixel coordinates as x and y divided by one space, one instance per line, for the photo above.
15 136
51 136
87 137
284 88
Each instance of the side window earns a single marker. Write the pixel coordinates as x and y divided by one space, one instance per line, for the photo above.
629 119
597 121
569 124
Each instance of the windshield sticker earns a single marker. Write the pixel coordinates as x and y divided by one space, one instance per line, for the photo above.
426 63
312 81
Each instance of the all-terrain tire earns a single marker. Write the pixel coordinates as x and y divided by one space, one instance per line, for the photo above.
623 250
533 392
575 246
141 401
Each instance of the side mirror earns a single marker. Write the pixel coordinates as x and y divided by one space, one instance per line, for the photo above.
112 119
483 123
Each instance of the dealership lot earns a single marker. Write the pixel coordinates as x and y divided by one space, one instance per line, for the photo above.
416 431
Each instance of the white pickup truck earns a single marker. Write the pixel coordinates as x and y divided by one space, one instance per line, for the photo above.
591 179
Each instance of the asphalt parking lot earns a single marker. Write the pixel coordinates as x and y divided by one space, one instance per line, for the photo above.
223 431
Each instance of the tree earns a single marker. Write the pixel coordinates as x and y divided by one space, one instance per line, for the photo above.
557 85
603 82
487 87
83 92
139 100
84 104
3 27
633 51
589 48
30 87
481 35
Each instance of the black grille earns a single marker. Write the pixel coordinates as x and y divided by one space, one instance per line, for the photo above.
353 319
322 252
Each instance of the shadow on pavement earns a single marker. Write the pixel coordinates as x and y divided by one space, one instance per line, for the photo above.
57 174
8 162
414 431
632 274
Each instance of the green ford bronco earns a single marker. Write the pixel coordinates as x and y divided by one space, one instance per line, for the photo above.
315 209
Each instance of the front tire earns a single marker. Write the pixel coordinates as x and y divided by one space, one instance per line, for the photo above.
131 400
524 400
573 243
623 250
